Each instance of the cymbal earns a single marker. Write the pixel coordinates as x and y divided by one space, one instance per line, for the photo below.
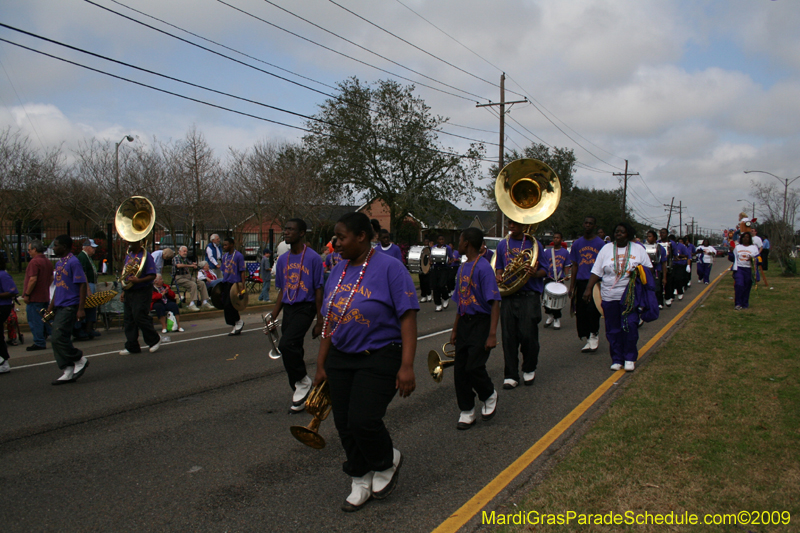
598 300
239 301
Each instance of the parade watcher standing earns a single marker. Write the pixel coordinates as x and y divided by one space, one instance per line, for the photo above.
369 338
521 311
89 268
583 254
744 257
613 267
765 254
234 272
559 260
8 292
67 303
474 332
36 294
299 276
265 273
214 255
137 299
160 256
705 262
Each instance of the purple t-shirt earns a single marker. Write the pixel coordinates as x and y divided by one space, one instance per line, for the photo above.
332 259
658 267
475 293
488 254
583 254
504 256
373 319
68 277
561 262
7 285
149 268
299 281
232 267
679 249
393 251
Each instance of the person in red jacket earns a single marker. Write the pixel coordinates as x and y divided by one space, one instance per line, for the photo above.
164 301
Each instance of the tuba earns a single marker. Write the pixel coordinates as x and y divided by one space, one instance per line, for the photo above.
273 335
134 221
319 406
527 191
436 364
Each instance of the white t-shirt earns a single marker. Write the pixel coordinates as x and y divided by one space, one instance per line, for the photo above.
743 254
708 253
611 288
758 242
282 248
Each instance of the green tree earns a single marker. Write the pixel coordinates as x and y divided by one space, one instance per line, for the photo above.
380 142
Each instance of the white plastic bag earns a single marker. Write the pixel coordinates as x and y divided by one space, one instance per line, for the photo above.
172 324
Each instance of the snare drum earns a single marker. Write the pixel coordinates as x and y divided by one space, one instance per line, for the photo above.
439 256
556 295
419 259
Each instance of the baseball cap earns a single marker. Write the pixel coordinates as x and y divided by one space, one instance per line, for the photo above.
90 242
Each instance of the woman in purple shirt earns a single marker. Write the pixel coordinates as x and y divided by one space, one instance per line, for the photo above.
8 291
369 337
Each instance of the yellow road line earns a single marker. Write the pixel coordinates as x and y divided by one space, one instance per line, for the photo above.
463 515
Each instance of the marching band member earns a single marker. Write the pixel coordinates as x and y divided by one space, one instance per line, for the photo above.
583 254
666 242
521 312
369 338
486 253
744 257
559 260
478 312
333 258
388 247
706 261
680 264
659 267
690 249
614 266
137 301
439 274
451 277
68 301
425 294
8 294
299 275
233 272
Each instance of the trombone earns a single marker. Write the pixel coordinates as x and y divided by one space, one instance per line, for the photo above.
273 333
436 364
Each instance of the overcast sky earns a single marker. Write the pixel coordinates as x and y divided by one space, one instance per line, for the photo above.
691 92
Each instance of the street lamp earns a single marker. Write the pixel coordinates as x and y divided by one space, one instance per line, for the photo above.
749 202
128 138
786 182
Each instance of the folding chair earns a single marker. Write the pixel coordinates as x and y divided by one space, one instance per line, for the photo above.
253 283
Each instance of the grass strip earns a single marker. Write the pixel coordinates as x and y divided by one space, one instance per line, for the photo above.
711 424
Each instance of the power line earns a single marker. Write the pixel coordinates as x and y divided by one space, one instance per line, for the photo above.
22 105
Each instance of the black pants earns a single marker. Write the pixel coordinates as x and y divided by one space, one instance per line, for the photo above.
520 315
471 355
439 277
555 313
230 312
5 311
362 386
451 280
297 318
136 317
587 317
424 284
679 278
65 352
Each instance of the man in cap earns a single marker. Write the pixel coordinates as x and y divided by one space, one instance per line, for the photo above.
86 331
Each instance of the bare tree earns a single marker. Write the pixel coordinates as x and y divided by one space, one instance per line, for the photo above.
770 200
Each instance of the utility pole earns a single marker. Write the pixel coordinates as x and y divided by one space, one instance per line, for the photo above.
680 215
625 188
500 220
669 217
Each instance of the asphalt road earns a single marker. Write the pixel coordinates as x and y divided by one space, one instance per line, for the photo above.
196 437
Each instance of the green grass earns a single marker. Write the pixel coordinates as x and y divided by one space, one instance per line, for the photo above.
711 424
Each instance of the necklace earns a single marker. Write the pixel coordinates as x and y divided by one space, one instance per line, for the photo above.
621 267
300 273
508 246
326 327
464 291
62 264
227 261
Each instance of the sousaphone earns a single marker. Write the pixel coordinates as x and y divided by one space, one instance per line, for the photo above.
528 192
134 221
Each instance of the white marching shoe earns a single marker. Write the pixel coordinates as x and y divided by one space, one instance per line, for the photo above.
557 323
67 377
680 297
446 303
438 308
594 342
616 366
489 407
548 322
360 493
629 366
5 367
301 390
383 483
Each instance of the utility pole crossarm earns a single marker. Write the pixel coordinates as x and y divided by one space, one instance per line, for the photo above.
625 188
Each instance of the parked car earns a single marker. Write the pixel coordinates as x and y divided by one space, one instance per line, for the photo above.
252 247
178 240
491 242
722 251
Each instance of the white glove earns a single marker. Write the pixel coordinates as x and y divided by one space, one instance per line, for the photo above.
688 269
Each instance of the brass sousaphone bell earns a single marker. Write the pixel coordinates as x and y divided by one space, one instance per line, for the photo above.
134 221
436 364
527 191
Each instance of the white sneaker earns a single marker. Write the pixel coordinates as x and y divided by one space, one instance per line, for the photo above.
509 383
668 302
383 483
154 348
616 366
594 342
181 330
689 284
5 367
207 306
680 297
586 347
528 377
80 367
489 407
192 307
124 352
660 306
66 377
629 366
163 330
238 326
438 308
557 323
445 303
548 322
466 420
301 390
360 493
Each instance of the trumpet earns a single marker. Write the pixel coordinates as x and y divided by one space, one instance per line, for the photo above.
47 317
436 364
318 405
273 333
